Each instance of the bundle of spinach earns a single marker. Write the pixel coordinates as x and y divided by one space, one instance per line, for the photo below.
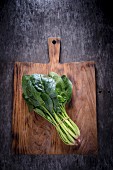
47 95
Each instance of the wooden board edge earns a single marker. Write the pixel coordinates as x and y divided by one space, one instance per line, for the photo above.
80 62
97 150
13 111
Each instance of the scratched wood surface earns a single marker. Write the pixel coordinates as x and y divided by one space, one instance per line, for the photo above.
34 135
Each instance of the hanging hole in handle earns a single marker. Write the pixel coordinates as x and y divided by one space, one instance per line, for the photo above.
54 42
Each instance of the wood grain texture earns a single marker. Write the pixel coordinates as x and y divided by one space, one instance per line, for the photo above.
34 135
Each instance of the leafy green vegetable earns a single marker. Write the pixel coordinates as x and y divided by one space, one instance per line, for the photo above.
47 95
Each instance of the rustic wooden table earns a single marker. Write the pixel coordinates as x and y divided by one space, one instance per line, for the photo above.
86 30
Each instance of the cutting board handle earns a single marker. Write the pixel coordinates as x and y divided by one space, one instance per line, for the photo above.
54 49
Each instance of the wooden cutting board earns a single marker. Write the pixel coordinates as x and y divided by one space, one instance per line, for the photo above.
32 134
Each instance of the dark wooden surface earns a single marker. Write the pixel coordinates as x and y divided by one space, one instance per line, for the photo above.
34 135
86 28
